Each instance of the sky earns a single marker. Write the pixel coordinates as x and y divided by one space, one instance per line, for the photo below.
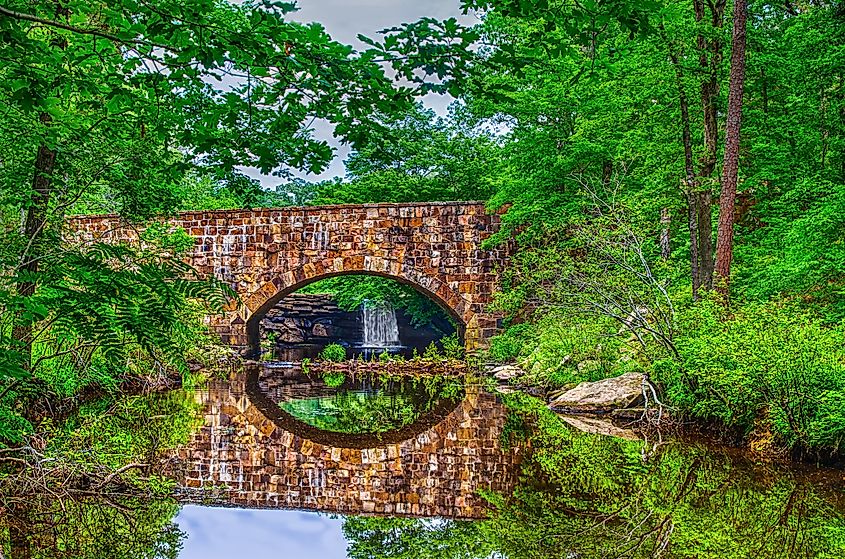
224 533
345 20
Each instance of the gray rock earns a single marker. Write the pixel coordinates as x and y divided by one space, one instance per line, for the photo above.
603 395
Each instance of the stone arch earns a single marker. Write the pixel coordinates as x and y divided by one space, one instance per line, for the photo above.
256 305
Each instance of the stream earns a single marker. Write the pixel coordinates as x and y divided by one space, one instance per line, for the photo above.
278 463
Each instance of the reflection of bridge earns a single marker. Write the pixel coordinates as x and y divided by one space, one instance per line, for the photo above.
267 254
437 471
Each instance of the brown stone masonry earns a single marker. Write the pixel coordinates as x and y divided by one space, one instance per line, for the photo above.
266 254
241 457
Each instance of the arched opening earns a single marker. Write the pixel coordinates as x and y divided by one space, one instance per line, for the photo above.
298 320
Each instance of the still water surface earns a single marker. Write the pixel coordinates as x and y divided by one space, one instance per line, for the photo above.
281 465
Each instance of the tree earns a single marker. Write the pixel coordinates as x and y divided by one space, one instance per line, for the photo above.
420 157
223 85
110 104
727 200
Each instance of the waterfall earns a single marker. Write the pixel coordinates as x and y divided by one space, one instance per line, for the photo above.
380 328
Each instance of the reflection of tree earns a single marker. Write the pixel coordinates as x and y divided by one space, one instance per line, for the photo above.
595 497
372 408
91 528
405 538
96 489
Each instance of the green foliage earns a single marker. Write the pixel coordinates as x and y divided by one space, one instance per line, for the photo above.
593 154
141 72
99 523
141 109
560 349
385 405
353 291
407 538
605 497
510 344
804 254
452 347
768 363
125 528
333 353
103 313
116 432
334 380
419 158
431 352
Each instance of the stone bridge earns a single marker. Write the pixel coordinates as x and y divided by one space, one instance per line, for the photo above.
248 454
265 254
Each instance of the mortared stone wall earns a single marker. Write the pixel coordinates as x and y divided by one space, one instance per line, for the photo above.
268 253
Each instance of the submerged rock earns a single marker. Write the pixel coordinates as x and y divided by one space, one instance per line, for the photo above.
602 396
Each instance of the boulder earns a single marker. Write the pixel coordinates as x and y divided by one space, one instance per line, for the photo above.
602 396
320 330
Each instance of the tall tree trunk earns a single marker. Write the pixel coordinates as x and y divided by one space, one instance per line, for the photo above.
35 219
34 224
727 200
690 182
700 196
704 207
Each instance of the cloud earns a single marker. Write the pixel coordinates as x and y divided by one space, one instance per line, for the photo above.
221 533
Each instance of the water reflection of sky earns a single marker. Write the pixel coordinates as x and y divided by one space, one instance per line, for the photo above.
257 534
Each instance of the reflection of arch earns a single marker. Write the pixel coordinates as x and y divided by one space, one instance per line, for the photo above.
265 298
282 419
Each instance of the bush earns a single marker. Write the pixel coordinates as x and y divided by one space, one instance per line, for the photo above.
452 347
559 350
768 365
508 345
334 353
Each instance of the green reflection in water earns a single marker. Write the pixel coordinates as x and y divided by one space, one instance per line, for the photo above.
586 496
75 498
580 496
373 406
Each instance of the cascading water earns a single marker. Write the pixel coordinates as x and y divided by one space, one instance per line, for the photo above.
380 327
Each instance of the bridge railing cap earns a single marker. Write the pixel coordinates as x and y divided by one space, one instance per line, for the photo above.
299 209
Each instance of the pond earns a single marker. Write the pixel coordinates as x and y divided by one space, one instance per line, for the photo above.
278 463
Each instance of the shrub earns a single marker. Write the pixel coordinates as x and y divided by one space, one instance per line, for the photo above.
768 363
431 352
508 345
452 347
562 349
334 353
